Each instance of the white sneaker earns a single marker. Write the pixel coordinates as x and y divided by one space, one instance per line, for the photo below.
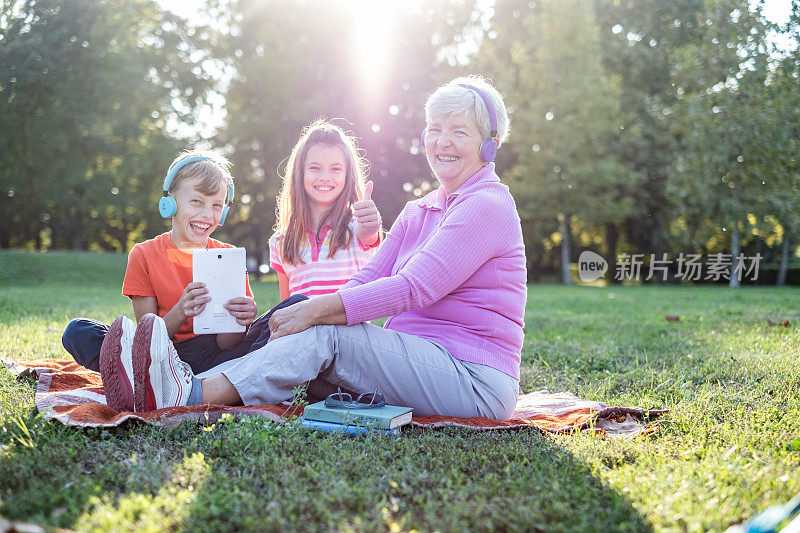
116 365
161 379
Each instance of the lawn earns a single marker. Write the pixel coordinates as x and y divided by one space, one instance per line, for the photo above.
729 447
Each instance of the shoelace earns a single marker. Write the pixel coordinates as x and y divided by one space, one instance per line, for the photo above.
187 371
183 366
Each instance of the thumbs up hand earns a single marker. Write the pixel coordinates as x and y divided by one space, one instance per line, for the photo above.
368 191
368 217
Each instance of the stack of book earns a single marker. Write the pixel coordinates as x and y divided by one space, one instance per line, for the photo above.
386 419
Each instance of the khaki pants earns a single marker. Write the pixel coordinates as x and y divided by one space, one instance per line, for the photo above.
408 370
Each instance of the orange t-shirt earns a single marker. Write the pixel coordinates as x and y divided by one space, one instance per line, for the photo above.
159 268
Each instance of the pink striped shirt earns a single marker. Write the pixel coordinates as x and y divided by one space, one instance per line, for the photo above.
319 274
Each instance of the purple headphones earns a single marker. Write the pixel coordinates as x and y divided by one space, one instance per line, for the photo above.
488 147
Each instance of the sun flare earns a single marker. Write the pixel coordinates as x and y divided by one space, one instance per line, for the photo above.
372 26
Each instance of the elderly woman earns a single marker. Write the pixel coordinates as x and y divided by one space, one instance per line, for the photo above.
450 275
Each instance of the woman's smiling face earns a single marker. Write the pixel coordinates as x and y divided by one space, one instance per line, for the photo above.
452 146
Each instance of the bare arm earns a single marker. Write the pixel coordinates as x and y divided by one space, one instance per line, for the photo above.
174 318
143 305
191 303
283 284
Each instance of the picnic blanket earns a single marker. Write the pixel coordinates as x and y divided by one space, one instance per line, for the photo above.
74 396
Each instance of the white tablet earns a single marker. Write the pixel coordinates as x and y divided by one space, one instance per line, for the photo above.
224 273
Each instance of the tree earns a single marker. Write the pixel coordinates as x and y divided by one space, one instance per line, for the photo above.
86 89
724 126
566 116
782 140
785 147
641 42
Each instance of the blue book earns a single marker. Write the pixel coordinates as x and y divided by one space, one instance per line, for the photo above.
386 417
350 430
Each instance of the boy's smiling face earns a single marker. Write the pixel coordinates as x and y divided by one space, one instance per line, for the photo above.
198 214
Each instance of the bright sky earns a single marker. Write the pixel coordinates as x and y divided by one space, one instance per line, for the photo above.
777 10
374 15
774 10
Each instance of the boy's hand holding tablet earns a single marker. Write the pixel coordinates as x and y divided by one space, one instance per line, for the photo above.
243 309
194 299
195 296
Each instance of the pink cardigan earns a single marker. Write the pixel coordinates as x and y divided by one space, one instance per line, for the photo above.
451 270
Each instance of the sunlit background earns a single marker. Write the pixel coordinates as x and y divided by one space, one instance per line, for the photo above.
637 126
374 38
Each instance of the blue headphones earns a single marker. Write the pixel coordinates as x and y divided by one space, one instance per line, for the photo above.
168 207
488 150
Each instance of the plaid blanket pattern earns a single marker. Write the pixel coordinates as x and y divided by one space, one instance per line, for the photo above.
74 396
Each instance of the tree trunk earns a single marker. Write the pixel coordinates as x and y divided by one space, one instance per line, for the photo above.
77 234
5 233
32 233
124 239
735 266
612 237
566 278
658 247
784 259
535 269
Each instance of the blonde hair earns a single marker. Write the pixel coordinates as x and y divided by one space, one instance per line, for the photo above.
213 172
293 213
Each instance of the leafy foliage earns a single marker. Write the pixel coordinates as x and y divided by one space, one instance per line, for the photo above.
86 91
566 115
626 115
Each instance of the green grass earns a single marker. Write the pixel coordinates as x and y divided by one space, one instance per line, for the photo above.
729 378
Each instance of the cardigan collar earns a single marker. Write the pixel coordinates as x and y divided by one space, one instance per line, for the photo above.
438 200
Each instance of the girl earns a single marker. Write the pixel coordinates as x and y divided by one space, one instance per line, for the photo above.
327 229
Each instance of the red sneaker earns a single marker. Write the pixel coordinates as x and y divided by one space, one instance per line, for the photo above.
116 365
161 379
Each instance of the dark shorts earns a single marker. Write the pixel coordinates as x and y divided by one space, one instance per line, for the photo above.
83 338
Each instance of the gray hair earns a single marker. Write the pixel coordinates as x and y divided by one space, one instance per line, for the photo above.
452 99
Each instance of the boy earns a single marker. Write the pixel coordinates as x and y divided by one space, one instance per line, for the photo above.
198 191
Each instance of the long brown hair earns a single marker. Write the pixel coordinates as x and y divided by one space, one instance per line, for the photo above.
293 213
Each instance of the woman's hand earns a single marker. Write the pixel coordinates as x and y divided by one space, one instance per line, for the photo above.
326 309
368 218
243 309
293 319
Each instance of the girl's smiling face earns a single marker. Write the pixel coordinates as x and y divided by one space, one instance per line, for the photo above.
198 214
324 175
